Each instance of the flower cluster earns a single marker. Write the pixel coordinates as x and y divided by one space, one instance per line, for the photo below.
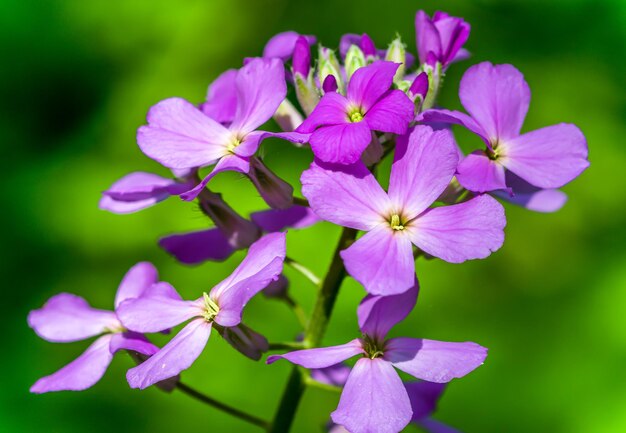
351 110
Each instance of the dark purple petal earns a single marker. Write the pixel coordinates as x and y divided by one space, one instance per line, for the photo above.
382 261
154 312
345 195
66 317
453 33
335 375
276 192
275 220
378 314
341 144
174 357
277 288
321 357
197 247
424 164
434 361
476 172
136 281
465 231
245 340
262 265
221 98
282 45
301 57
132 341
549 157
331 110
373 400
330 84
368 84
82 373
367 46
419 87
392 113
178 135
497 97
424 397
261 87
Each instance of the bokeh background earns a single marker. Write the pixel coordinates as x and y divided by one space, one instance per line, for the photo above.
76 80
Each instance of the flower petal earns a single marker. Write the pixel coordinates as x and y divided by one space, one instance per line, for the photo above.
434 361
262 265
275 220
82 373
331 110
424 164
136 281
283 44
373 400
532 198
465 231
427 37
321 357
335 375
66 317
245 340
221 98
434 426
197 247
261 87
378 314
453 117
476 172
548 157
174 357
424 397
155 312
368 84
349 196
342 144
382 260
497 97
132 341
178 135
229 162
392 113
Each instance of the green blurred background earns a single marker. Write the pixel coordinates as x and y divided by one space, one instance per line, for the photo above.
76 81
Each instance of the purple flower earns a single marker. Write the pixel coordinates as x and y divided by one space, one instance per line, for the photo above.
66 318
341 126
216 244
374 397
222 308
424 164
282 45
221 98
497 98
440 39
180 136
140 190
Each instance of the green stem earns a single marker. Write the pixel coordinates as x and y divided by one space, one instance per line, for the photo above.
223 407
306 272
313 335
288 345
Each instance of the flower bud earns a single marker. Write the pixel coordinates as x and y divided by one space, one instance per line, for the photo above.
418 90
435 78
288 117
245 340
329 65
368 47
355 59
330 84
397 53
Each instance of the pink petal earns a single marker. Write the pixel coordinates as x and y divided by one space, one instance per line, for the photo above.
548 157
392 113
532 198
262 265
373 400
321 357
378 314
179 135
229 162
497 97
368 84
342 144
427 37
345 195
434 361
132 341
82 373
331 110
66 317
382 260
136 281
197 247
221 98
261 87
465 231
456 118
174 357
155 312
283 44
424 164
476 172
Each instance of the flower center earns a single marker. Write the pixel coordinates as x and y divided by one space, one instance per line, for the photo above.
396 223
373 348
492 153
236 141
210 308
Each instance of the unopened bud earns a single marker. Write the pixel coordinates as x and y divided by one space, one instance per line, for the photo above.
329 65
397 53
355 59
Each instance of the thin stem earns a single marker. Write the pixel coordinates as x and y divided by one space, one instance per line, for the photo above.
298 311
313 335
312 383
300 201
223 407
306 272
286 345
